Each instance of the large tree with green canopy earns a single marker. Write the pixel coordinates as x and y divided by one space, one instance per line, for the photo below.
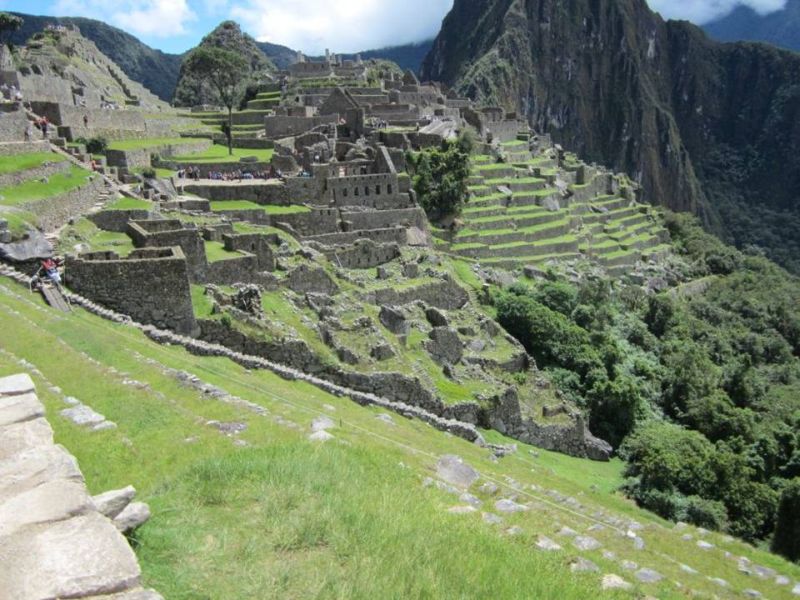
227 73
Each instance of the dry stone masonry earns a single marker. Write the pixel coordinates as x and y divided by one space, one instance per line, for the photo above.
56 541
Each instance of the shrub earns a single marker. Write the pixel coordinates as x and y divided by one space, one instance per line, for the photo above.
786 540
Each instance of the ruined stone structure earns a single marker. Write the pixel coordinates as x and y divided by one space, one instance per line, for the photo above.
151 285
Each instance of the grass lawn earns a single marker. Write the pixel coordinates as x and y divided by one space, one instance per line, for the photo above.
215 251
281 517
33 190
223 205
146 143
219 154
22 162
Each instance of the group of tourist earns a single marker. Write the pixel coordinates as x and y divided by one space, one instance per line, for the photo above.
189 173
42 124
193 173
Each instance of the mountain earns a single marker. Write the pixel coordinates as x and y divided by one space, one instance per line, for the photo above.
228 35
704 126
780 28
156 70
281 56
407 56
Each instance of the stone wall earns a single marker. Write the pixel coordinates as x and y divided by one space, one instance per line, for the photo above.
445 294
117 220
22 147
168 233
397 235
132 159
258 244
54 212
13 125
54 542
377 190
47 169
317 222
282 126
243 269
150 285
380 219
364 254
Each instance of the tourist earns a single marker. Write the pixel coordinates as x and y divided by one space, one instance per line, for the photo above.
50 267
86 121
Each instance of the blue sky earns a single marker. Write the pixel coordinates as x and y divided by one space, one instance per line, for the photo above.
309 25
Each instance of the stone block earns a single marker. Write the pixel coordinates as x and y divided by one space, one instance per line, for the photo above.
50 502
16 409
24 436
13 385
82 556
111 503
35 466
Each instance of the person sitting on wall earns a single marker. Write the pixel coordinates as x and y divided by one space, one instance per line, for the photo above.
50 266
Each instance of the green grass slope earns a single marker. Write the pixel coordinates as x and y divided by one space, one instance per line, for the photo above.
268 514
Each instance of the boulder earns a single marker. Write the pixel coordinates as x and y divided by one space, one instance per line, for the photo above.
320 436
583 565
24 407
34 246
132 516
322 424
453 470
614 582
50 502
382 352
113 502
586 543
444 345
74 558
546 544
14 385
436 317
648 576
506 505
82 415
394 320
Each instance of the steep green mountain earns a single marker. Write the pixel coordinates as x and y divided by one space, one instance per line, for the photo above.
780 28
281 56
155 70
704 126
407 56
228 35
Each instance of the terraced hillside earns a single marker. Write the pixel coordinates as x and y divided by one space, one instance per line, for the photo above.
244 504
531 208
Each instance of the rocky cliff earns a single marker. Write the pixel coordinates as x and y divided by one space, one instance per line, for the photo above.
704 126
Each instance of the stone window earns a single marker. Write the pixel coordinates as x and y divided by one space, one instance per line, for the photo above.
344 192
389 188
366 190
355 191
378 189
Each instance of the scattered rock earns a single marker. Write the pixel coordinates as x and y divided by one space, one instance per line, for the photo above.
454 470
545 543
492 518
688 569
322 423
488 488
469 499
638 543
648 576
382 352
444 345
586 543
750 593
796 589
394 320
720 582
629 565
704 545
515 530
436 317
509 506
320 436
567 532
113 502
132 516
385 418
614 582
82 415
583 565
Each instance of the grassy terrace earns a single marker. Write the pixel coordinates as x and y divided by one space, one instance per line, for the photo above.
215 252
222 205
282 517
23 162
146 143
506 230
34 190
219 154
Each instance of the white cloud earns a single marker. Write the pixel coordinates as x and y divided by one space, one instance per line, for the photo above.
153 18
341 25
705 11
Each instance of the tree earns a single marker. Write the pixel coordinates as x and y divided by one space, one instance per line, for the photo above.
227 73
440 179
787 528
9 23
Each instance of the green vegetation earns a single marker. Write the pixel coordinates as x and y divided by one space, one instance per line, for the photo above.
144 144
87 234
439 177
215 251
272 209
219 154
720 365
34 190
126 203
225 71
22 162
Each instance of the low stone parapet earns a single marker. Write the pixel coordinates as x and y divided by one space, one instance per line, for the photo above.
54 540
